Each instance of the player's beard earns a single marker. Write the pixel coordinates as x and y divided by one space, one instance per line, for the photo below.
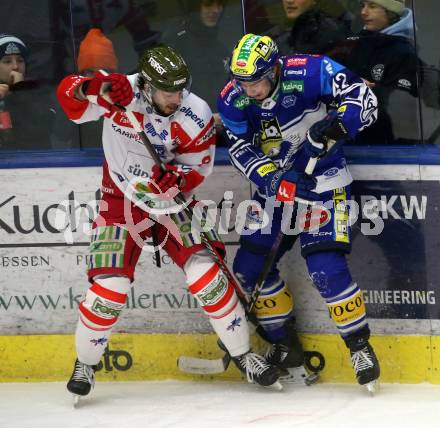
167 109
171 108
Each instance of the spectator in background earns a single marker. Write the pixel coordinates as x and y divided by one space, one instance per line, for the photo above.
341 12
196 38
26 116
77 17
309 30
384 51
256 18
96 53
383 54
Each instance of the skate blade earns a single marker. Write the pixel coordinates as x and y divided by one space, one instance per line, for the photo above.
299 376
76 400
372 387
277 386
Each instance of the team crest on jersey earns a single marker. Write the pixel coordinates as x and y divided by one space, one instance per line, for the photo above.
288 101
271 137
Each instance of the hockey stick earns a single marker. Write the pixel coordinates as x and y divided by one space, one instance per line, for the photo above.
336 132
179 199
207 366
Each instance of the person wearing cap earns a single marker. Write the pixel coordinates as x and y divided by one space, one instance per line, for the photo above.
384 54
22 99
96 53
12 62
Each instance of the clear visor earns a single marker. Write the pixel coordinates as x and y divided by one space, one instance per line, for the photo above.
167 95
238 84
166 102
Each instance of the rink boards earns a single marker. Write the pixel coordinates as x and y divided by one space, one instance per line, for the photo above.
43 263
404 359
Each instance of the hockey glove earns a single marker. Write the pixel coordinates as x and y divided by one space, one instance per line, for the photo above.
320 133
167 183
109 91
288 185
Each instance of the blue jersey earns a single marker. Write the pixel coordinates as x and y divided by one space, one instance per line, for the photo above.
268 135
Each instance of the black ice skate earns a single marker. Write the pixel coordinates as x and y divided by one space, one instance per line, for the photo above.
288 352
258 370
365 364
82 380
288 356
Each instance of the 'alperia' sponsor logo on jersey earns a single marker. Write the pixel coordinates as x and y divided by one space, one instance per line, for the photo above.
193 116
293 85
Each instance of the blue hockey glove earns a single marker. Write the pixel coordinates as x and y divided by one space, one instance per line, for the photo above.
318 136
288 185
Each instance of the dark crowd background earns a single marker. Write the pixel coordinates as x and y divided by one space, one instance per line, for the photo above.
400 62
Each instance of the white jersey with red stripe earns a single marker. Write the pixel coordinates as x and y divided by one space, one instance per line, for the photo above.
185 139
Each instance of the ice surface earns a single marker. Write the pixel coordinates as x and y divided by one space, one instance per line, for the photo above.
218 405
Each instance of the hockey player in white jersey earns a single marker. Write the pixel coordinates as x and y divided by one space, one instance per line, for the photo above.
180 126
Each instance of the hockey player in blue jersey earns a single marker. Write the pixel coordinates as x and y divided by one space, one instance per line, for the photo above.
278 112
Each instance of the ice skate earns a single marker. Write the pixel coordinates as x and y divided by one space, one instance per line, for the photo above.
290 361
288 356
366 367
81 381
258 370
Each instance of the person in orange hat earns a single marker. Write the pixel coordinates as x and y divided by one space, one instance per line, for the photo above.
96 53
